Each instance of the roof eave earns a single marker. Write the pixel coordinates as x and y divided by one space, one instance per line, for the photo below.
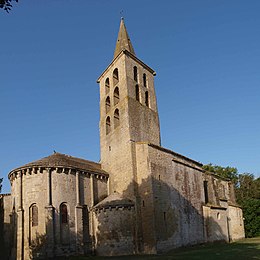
126 52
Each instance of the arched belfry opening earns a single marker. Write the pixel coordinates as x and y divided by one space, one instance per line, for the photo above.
107 85
107 104
135 74
108 125
115 76
116 96
116 118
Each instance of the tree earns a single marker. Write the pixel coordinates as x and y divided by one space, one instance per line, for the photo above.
225 172
251 214
1 180
6 4
248 187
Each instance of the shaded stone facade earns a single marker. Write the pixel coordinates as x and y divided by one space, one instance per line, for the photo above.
140 199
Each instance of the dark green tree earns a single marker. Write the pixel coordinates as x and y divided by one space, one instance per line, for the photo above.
7 4
251 214
225 172
1 180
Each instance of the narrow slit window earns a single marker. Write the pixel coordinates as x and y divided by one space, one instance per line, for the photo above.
116 118
205 185
107 85
108 125
137 93
116 95
164 216
135 73
107 104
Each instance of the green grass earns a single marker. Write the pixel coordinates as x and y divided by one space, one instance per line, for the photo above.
244 249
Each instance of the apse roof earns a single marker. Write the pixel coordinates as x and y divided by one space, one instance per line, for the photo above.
114 200
63 160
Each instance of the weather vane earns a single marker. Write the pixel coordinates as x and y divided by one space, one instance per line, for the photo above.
121 13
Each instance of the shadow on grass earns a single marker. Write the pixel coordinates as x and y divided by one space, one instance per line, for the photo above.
245 249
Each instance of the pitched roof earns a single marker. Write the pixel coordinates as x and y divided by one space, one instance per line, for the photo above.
63 160
123 41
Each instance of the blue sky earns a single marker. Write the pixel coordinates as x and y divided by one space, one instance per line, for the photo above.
206 54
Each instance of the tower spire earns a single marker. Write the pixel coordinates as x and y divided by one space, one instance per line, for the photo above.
123 41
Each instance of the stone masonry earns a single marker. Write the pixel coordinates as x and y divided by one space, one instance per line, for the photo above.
140 199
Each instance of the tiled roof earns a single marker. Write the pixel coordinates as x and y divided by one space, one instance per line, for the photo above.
63 160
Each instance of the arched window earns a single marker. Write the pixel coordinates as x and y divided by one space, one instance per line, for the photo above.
64 224
107 85
115 76
86 232
116 118
135 73
146 98
137 93
108 125
144 80
107 104
34 215
64 213
116 95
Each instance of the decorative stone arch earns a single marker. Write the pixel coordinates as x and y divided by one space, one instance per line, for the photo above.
116 96
116 118
107 85
115 76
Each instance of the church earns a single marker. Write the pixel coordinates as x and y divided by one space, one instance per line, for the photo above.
141 198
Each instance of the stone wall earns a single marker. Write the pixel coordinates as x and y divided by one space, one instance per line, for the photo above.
174 209
48 189
6 228
114 231
236 223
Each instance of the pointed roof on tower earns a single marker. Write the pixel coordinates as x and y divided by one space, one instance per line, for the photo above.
123 41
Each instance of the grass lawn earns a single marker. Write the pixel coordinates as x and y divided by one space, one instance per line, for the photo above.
246 249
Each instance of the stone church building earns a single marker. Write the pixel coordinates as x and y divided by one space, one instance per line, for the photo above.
141 198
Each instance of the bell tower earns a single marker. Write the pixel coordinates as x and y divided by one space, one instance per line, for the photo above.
128 113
